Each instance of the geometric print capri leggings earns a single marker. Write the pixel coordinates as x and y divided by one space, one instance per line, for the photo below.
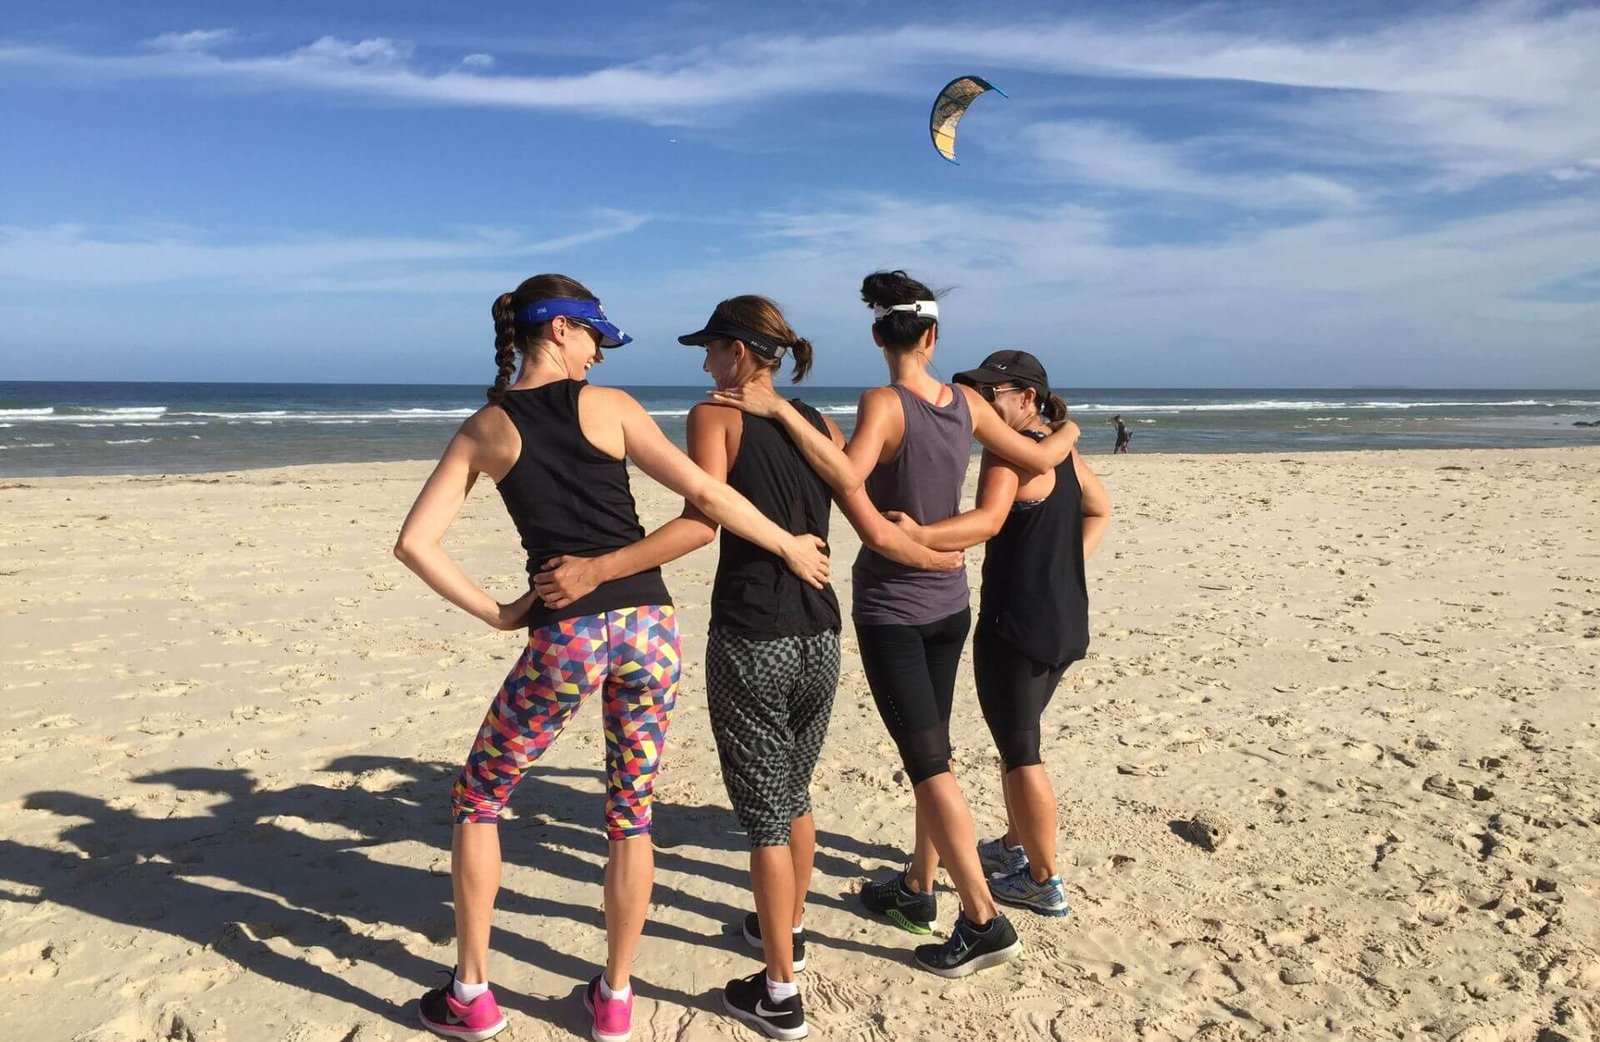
633 653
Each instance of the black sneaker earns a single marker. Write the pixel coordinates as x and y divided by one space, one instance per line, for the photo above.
971 948
752 937
747 999
909 911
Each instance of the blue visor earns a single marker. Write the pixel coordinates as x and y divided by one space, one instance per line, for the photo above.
589 312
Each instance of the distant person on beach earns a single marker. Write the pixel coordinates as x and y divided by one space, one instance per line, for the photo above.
1033 614
772 654
556 449
1122 435
911 446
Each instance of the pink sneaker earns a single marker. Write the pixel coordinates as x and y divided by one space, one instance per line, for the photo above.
613 1018
444 1014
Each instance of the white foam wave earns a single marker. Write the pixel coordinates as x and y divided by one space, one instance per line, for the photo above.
129 441
25 413
1309 405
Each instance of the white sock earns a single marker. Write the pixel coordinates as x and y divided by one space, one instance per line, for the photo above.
777 991
798 930
609 995
467 992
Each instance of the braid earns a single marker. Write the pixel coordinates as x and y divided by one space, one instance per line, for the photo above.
505 351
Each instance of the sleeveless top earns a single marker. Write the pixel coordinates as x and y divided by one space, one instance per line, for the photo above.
754 594
923 480
567 497
1034 594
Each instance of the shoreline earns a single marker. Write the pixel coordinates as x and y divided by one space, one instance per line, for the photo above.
1094 459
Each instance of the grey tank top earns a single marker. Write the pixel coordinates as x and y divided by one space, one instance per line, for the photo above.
924 481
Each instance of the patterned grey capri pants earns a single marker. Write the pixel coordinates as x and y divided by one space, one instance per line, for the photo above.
770 702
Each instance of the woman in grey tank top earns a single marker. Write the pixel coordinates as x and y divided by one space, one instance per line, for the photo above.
910 448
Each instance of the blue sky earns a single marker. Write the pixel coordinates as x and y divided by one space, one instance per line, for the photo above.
1173 194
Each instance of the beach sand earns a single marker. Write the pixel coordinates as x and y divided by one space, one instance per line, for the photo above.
230 721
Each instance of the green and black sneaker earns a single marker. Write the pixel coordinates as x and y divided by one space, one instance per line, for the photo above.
904 907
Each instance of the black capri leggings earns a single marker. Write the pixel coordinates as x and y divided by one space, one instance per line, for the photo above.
912 673
1013 691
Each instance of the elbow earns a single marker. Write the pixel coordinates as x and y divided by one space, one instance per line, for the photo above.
407 549
704 535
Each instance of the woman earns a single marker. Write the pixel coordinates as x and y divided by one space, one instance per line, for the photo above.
911 445
555 447
772 655
1033 616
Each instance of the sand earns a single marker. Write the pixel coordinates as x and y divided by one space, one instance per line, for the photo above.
230 720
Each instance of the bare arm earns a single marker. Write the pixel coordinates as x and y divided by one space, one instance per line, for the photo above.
1096 506
658 457
998 437
876 532
843 467
419 545
564 579
879 533
998 482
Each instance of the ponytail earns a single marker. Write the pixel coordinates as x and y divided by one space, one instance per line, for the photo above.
764 319
505 352
801 350
1054 411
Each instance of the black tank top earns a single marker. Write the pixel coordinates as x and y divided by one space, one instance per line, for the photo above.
567 497
1034 593
754 595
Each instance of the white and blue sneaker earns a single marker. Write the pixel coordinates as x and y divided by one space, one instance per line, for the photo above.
1001 860
1020 889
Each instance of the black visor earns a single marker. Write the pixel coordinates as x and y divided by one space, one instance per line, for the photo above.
719 328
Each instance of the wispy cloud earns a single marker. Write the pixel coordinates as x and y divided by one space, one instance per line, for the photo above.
1340 299
1500 89
1110 156
123 258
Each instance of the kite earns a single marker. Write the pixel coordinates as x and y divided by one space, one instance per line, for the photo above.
950 106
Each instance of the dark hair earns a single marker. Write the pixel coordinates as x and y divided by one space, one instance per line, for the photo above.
899 330
509 341
763 317
1054 411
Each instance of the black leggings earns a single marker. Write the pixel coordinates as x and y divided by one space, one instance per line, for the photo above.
1013 690
912 673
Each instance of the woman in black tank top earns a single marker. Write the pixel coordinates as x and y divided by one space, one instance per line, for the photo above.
555 447
1033 620
772 654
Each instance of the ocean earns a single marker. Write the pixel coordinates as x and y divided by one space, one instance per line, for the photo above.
122 428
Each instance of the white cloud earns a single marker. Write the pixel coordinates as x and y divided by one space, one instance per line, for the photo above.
1500 89
1110 156
1346 299
194 40
78 256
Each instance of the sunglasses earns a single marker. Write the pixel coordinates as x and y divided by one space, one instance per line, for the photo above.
989 392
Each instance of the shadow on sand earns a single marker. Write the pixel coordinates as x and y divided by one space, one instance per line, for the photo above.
298 890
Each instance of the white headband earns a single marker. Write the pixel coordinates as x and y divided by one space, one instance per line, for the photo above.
929 308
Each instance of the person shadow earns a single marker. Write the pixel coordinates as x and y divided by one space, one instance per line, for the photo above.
301 860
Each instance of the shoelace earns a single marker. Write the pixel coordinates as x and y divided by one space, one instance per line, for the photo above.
958 943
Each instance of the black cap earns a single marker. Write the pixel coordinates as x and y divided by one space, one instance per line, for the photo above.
1004 367
719 327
